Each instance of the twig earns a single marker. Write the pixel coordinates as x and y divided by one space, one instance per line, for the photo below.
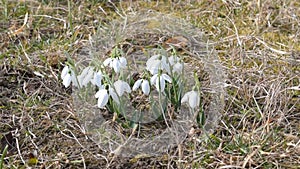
19 151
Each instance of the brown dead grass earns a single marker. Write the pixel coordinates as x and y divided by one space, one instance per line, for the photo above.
258 45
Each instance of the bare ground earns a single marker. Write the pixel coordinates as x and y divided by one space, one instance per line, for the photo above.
257 43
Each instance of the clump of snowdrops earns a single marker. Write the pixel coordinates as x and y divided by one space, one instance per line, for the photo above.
162 74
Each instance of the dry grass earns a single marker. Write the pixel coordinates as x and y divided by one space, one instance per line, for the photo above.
257 42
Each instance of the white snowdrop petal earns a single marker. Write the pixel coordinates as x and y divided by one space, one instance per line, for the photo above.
80 79
88 77
100 92
194 99
64 72
97 79
153 66
160 84
102 87
157 84
84 77
164 59
153 79
126 87
198 99
73 79
171 60
97 94
102 98
67 80
177 67
116 65
85 71
137 84
145 87
123 62
107 61
119 87
102 101
167 78
113 94
154 70
164 65
185 97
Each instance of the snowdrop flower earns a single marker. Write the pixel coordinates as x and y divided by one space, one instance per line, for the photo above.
177 68
192 97
173 60
176 64
86 76
144 84
97 79
68 76
159 81
103 96
119 88
116 63
156 63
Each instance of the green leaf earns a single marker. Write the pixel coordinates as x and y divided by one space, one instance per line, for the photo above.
3 155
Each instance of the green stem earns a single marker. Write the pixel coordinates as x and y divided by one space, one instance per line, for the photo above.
70 16
5 11
3 155
161 105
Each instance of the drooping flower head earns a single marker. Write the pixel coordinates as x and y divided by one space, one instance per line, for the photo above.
68 76
120 87
144 85
117 63
157 63
97 79
160 81
86 76
176 64
193 99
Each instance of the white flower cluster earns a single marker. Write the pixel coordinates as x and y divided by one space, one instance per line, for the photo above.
120 87
160 68
116 63
157 64
87 75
